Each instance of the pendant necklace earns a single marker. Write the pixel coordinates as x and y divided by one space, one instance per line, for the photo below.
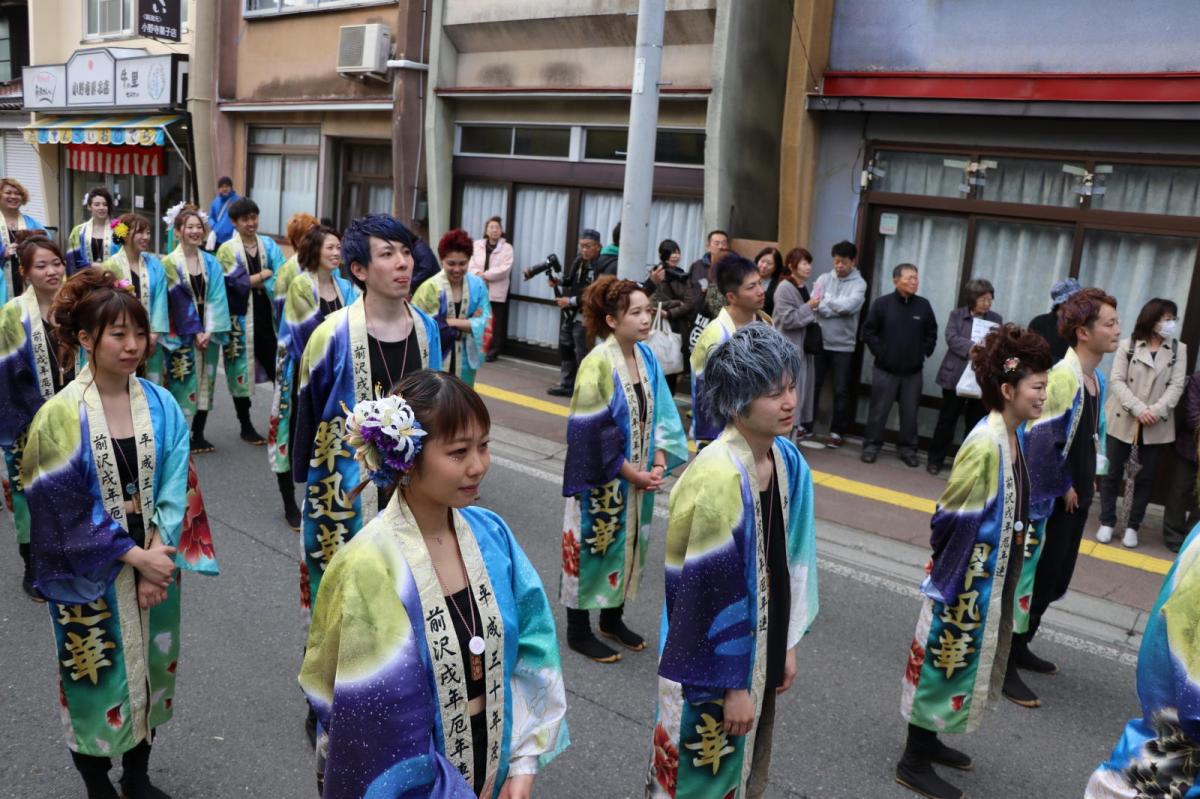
383 358
130 488
475 643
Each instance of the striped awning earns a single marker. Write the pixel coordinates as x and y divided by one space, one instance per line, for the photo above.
115 160
126 130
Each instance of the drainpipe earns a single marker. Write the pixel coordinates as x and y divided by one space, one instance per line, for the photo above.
202 87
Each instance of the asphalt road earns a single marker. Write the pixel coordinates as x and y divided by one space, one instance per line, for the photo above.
238 731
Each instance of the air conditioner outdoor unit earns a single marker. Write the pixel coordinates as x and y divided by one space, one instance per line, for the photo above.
363 49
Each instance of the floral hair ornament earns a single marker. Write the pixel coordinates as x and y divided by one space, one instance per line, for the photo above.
174 211
120 232
1011 365
123 284
386 437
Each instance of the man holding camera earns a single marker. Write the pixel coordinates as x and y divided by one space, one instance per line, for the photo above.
572 341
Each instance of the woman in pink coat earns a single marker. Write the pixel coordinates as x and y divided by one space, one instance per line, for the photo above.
492 261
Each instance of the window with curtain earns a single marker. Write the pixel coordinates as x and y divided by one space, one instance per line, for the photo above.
680 220
1023 261
282 174
480 202
109 17
539 227
365 178
1031 181
930 174
6 66
1147 189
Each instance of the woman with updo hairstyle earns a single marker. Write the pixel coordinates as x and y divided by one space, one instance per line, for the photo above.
624 436
12 196
315 292
195 282
436 608
114 511
91 242
297 227
959 656
459 301
30 372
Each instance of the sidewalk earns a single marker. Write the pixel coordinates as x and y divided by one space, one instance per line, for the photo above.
887 500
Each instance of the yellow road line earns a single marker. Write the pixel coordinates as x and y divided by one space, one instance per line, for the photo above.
1092 549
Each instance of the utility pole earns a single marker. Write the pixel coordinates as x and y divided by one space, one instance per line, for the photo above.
643 132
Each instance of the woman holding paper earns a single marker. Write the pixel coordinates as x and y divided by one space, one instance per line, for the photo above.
966 327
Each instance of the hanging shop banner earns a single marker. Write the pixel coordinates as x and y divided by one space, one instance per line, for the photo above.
160 19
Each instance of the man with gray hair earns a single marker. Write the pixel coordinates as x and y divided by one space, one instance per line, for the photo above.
572 341
741 577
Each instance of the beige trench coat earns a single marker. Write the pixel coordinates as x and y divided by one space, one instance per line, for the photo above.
1140 382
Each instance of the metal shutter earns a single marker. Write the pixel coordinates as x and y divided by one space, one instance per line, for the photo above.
21 162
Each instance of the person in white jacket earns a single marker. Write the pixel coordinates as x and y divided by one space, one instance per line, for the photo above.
493 261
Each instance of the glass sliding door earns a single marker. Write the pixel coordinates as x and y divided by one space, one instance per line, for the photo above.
539 228
1023 260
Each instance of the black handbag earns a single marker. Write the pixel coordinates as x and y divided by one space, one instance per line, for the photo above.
814 341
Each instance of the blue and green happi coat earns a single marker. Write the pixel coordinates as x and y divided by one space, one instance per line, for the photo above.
116 661
959 652
24 222
705 427
384 671
152 291
240 372
301 313
714 635
606 524
79 245
1158 755
191 372
335 374
433 297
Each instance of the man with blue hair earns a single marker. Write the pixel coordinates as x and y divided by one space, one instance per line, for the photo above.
740 285
741 578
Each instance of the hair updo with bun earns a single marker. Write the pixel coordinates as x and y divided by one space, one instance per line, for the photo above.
608 296
1008 355
28 243
89 302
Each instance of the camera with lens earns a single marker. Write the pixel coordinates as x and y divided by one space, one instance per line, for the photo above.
550 265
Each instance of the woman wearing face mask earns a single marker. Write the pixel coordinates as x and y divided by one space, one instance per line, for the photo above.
30 372
91 242
432 661
1149 372
461 301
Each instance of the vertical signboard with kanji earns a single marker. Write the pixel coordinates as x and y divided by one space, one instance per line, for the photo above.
160 19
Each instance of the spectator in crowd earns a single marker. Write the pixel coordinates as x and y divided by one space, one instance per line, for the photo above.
1046 325
795 318
492 260
901 333
700 272
425 262
978 296
610 252
1182 510
12 196
218 211
668 286
572 338
838 298
1148 375
91 242
770 268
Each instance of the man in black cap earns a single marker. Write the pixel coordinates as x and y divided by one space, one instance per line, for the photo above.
572 341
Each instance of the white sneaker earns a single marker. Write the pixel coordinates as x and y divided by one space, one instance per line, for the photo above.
1104 534
1130 539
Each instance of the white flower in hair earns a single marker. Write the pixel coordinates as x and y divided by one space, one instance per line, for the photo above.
173 211
385 435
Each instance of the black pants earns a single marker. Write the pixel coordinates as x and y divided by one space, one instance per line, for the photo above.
953 406
840 364
499 328
265 343
1182 511
572 348
886 389
1060 550
1143 484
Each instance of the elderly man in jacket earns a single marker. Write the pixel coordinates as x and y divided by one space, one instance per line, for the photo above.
901 333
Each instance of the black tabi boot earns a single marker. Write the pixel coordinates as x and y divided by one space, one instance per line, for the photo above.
287 492
199 442
1025 659
581 639
310 727
135 781
94 771
27 580
612 626
251 436
915 769
1015 690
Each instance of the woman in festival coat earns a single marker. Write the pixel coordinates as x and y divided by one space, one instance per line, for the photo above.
492 260
30 372
741 580
91 243
113 513
624 436
145 272
432 660
317 291
468 315
12 196
196 285
980 533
